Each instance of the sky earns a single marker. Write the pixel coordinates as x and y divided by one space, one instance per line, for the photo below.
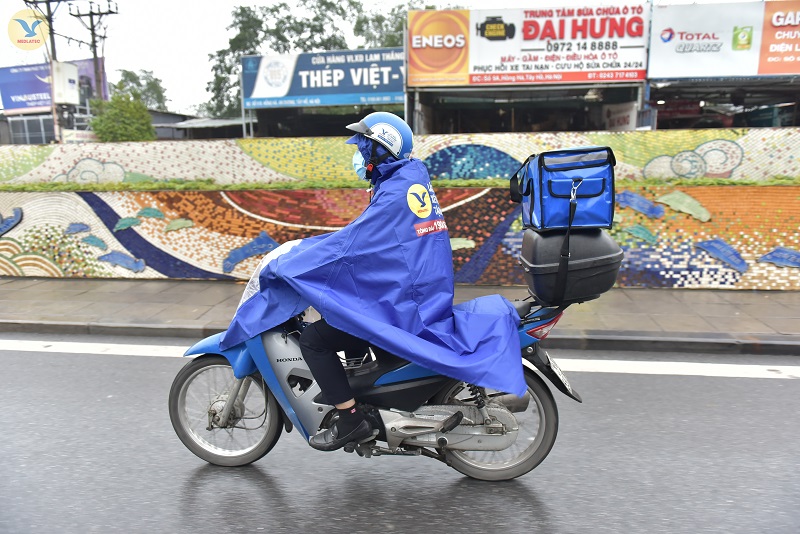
173 38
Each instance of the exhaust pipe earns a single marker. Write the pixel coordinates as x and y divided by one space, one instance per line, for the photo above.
513 403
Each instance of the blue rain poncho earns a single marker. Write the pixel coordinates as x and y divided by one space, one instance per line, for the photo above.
387 277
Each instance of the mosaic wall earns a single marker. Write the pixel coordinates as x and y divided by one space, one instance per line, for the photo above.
738 237
734 236
752 154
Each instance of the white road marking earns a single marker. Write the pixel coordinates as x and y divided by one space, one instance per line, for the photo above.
113 349
725 370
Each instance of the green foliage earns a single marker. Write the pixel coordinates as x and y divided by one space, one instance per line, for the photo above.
143 184
142 86
279 29
304 26
123 118
381 30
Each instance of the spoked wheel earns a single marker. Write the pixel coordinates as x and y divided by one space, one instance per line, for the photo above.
197 399
537 417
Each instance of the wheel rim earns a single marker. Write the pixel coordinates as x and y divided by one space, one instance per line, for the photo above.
208 387
531 422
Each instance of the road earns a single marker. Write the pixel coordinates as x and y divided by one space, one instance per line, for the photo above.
86 446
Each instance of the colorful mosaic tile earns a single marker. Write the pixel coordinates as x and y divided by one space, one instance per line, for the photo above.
736 237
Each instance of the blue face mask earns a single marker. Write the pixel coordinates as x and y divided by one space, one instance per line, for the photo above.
358 165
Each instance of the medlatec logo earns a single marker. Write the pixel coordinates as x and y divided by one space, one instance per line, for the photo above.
27 29
389 135
419 202
667 35
494 29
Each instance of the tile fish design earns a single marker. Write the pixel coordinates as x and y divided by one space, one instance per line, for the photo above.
719 249
628 199
7 223
126 222
76 228
258 246
123 260
782 257
680 201
95 241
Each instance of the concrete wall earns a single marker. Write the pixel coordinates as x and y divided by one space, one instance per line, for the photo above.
731 236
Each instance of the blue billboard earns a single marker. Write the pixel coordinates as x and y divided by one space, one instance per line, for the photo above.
349 77
26 88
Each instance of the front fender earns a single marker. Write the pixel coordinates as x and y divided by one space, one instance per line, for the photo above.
239 357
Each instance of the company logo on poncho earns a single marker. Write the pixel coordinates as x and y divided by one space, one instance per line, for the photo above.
419 201
389 136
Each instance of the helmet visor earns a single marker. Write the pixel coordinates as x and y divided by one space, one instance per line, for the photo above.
360 127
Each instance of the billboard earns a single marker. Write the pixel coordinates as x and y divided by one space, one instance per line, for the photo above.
780 40
725 40
26 88
349 77
528 46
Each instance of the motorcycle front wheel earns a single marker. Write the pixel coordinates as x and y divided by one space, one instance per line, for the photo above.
538 427
196 400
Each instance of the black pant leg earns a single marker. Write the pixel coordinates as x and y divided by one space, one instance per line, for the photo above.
319 344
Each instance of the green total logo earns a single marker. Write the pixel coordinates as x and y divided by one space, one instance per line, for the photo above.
28 29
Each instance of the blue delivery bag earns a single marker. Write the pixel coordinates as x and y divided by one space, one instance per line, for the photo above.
546 183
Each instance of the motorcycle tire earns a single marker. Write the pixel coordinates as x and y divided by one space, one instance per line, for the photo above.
204 381
511 462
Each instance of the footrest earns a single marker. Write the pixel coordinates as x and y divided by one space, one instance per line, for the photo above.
451 422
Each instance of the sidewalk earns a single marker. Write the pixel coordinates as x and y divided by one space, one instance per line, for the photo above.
717 321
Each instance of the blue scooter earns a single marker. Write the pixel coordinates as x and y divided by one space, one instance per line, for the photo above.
229 407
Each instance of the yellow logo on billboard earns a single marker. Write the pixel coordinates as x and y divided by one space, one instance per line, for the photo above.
419 200
28 29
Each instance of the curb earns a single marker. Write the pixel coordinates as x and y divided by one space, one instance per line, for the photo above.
575 340
634 341
111 329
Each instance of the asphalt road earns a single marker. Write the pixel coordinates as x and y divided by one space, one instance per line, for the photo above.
86 446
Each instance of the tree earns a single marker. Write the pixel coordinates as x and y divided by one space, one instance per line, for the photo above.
381 30
281 29
123 118
142 86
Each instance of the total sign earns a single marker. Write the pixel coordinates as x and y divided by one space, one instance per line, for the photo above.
705 40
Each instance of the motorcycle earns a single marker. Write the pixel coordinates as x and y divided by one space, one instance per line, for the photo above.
230 407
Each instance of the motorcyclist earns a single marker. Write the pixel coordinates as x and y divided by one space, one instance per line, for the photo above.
386 278
383 152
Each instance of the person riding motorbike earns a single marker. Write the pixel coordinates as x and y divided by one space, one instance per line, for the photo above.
383 153
387 280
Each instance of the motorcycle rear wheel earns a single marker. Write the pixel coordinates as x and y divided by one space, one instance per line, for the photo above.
198 394
538 427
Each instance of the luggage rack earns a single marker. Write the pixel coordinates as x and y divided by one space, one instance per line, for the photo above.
531 312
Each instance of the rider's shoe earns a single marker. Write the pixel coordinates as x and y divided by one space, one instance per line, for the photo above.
330 440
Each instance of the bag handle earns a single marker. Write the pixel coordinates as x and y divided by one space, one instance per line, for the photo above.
563 260
515 192
610 158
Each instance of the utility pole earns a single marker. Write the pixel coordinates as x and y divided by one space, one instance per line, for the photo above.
95 15
34 4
